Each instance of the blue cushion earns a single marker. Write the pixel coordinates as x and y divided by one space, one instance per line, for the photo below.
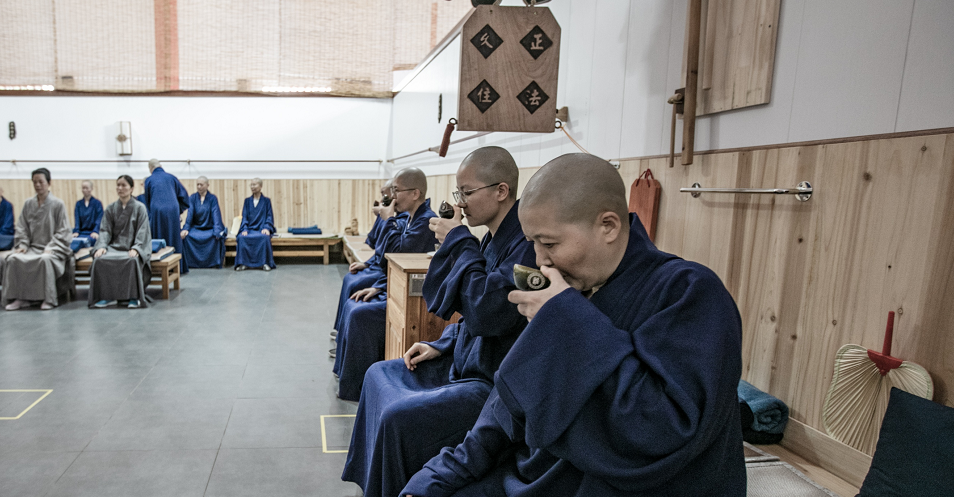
915 452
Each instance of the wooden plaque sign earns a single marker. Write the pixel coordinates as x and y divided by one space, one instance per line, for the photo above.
509 61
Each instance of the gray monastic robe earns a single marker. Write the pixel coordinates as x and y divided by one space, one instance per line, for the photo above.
40 228
115 275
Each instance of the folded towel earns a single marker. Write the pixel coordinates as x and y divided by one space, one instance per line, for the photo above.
80 242
162 253
310 230
158 243
751 436
770 414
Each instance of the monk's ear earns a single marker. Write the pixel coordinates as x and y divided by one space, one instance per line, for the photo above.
610 226
503 191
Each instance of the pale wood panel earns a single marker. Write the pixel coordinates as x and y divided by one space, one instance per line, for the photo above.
811 277
737 54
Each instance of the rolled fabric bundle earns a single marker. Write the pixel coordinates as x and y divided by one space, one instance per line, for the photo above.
310 230
158 244
80 242
770 415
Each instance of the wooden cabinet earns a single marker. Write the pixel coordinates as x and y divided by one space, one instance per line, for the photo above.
407 318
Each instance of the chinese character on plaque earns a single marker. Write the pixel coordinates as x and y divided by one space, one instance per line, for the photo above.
486 41
532 97
483 96
536 42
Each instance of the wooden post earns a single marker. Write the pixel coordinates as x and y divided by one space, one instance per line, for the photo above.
692 81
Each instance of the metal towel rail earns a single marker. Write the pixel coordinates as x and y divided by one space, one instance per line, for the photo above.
802 192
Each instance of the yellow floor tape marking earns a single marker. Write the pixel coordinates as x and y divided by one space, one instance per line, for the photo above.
31 405
324 438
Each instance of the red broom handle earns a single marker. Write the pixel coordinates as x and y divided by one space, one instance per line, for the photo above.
888 334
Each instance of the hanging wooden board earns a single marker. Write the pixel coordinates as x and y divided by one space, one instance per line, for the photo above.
509 63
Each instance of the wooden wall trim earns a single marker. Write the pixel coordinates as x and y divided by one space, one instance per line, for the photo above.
841 460
829 141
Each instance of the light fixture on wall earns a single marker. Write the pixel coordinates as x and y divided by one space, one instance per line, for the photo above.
124 138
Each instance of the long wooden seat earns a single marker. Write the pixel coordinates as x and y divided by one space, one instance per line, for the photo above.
166 270
289 245
355 250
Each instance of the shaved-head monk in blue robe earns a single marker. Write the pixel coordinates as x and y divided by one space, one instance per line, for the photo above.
203 235
362 275
87 214
624 381
410 408
7 226
361 323
253 242
166 200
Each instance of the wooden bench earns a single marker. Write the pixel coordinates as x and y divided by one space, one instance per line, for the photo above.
166 270
355 250
288 245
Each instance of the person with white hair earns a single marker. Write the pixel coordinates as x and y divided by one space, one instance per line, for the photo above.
203 236
166 200
253 242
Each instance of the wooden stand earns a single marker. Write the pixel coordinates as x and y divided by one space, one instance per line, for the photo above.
294 246
167 270
407 318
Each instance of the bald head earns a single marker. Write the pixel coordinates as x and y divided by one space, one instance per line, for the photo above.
577 188
411 177
154 163
493 165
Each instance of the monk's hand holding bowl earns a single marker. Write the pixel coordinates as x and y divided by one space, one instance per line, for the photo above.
441 227
529 303
419 352
365 294
99 253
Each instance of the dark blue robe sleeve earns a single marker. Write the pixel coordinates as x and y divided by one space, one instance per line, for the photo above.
416 237
458 281
245 212
217 226
269 216
6 218
147 193
97 214
631 408
182 195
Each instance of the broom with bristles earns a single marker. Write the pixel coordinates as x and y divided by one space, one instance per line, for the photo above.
860 388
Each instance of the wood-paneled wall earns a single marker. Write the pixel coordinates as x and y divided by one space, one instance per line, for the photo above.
809 277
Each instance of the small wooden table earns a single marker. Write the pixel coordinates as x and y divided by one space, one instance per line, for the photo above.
407 318
167 270
289 245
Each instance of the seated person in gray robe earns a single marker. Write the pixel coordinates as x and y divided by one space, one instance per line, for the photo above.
120 269
41 249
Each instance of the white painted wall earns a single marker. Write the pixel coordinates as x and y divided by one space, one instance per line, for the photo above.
213 128
844 68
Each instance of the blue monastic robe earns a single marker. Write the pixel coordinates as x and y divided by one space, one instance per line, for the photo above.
369 275
87 217
360 341
372 238
204 246
632 392
405 417
7 226
166 200
255 249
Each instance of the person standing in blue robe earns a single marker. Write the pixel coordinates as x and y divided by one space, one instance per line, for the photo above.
624 381
166 200
88 214
361 325
253 243
7 223
203 236
410 408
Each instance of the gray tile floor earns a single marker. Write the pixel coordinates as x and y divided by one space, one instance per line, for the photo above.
218 391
